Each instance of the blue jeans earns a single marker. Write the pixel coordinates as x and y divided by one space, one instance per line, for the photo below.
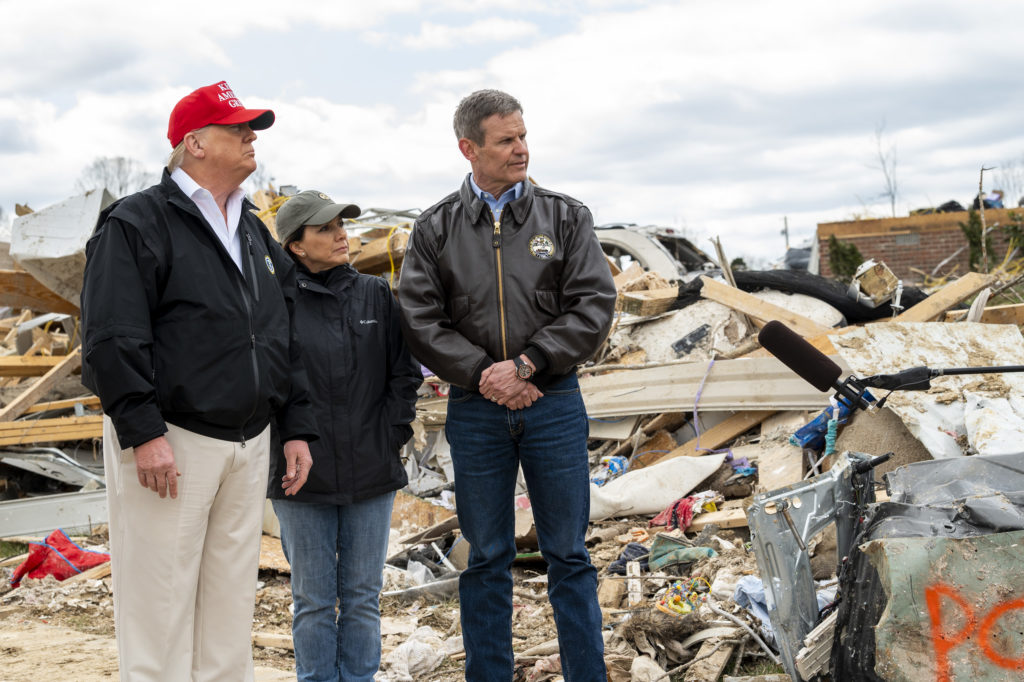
549 440
337 556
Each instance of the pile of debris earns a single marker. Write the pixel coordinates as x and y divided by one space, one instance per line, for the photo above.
707 454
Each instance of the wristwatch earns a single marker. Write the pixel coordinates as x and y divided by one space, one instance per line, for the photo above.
523 369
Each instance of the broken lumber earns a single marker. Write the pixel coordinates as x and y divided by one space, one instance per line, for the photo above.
995 314
946 297
651 302
723 518
382 254
20 289
51 430
720 434
751 305
27 365
272 639
94 573
88 402
37 390
710 661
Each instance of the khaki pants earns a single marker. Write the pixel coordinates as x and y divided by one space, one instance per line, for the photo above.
185 570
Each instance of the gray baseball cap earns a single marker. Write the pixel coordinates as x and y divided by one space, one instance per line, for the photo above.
310 208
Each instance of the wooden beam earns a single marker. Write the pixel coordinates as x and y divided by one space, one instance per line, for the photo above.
712 657
89 402
651 302
723 518
17 407
946 297
373 258
751 305
19 289
994 314
51 430
95 573
27 365
720 434
272 639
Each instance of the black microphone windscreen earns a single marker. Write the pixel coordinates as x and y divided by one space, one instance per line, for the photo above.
808 362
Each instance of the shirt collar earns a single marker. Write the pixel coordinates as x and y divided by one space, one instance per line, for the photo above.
496 204
190 187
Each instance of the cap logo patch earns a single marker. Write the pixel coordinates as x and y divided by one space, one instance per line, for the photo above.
541 247
270 264
324 196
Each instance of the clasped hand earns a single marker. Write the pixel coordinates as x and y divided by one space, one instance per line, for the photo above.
500 384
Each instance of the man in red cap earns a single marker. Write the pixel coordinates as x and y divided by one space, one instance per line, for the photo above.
186 309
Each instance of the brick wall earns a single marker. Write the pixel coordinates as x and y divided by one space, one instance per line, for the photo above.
918 242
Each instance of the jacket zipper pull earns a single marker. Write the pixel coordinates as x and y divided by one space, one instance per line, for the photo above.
243 439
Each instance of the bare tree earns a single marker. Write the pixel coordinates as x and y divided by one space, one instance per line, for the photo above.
120 175
887 164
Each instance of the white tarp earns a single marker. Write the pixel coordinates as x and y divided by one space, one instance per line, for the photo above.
651 489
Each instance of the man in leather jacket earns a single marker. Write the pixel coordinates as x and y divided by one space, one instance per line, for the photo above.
186 305
504 290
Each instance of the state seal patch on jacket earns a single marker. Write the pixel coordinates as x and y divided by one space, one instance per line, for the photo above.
541 247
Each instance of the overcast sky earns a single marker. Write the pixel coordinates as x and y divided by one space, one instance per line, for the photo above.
718 118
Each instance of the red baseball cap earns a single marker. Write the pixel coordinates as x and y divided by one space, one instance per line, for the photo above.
213 104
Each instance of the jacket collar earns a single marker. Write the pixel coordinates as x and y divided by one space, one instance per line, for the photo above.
475 205
328 281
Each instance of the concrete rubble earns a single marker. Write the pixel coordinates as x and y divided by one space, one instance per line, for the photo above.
698 436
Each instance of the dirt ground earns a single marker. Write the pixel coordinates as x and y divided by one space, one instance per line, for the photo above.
64 631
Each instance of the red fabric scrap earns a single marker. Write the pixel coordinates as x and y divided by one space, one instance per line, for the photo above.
679 514
57 556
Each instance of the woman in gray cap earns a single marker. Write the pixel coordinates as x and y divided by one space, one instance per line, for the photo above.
363 384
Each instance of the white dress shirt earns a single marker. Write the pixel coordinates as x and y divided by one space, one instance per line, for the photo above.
226 231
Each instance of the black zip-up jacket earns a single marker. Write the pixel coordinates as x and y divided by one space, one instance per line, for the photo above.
363 385
175 333
475 290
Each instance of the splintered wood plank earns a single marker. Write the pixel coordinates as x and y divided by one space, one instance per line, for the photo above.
272 639
94 573
723 518
28 365
780 466
51 430
720 434
995 314
19 289
374 257
751 305
711 667
88 402
946 297
42 386
650 302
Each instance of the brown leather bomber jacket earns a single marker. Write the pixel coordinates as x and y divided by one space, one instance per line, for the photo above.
475 290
